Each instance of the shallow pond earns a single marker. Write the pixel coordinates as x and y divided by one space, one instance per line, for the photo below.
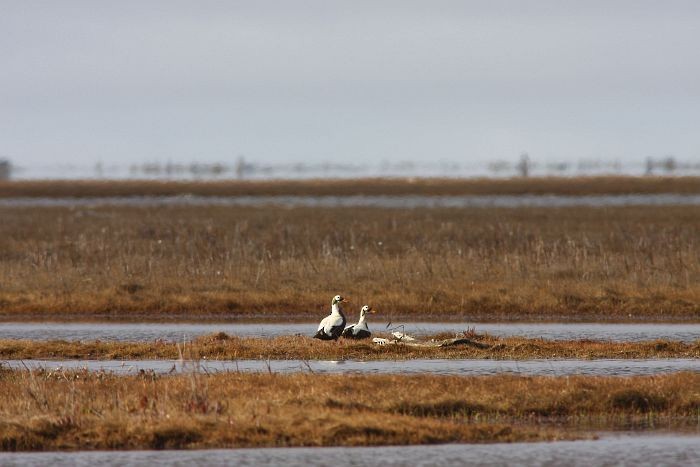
639 451
381 201
146 332
406 367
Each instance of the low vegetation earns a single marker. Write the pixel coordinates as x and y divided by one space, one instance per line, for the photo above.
223 347
180 262
69 410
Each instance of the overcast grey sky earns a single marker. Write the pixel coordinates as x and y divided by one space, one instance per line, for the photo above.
468 81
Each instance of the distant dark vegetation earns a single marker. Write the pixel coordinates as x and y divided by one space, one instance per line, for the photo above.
343 187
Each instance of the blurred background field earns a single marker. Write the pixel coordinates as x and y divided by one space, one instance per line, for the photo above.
530 263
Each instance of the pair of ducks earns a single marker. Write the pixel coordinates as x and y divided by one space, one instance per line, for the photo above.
333 325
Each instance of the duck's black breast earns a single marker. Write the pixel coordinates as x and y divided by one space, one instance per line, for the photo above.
347 332
336 331
358 334
322 335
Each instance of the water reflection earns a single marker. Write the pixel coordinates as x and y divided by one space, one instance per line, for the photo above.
148 332
377 201
645 450
619 367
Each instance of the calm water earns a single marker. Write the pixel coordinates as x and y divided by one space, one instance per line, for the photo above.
383 201
178 331
406 367
637 451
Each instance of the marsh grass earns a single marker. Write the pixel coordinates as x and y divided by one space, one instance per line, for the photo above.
223 347
178 262
68 410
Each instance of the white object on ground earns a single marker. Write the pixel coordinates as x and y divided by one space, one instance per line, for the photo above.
403 336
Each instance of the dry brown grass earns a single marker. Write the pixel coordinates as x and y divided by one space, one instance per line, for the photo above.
336 187
223 347
56 410
621 264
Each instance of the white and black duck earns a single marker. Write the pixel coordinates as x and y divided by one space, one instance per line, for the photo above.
361 329
332 325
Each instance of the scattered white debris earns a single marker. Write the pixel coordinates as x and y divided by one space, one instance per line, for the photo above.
411 341
403 336
380 341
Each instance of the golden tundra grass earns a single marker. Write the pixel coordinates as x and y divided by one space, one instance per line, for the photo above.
56 410
223 347
635 263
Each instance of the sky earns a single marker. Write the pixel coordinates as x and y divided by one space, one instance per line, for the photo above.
348 81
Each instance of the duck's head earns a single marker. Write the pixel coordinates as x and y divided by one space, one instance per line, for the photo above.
337 300
367 309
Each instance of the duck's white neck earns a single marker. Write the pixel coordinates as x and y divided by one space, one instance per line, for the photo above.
336 309
362 318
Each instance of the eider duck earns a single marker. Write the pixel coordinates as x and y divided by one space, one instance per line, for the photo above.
332 325
359 330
